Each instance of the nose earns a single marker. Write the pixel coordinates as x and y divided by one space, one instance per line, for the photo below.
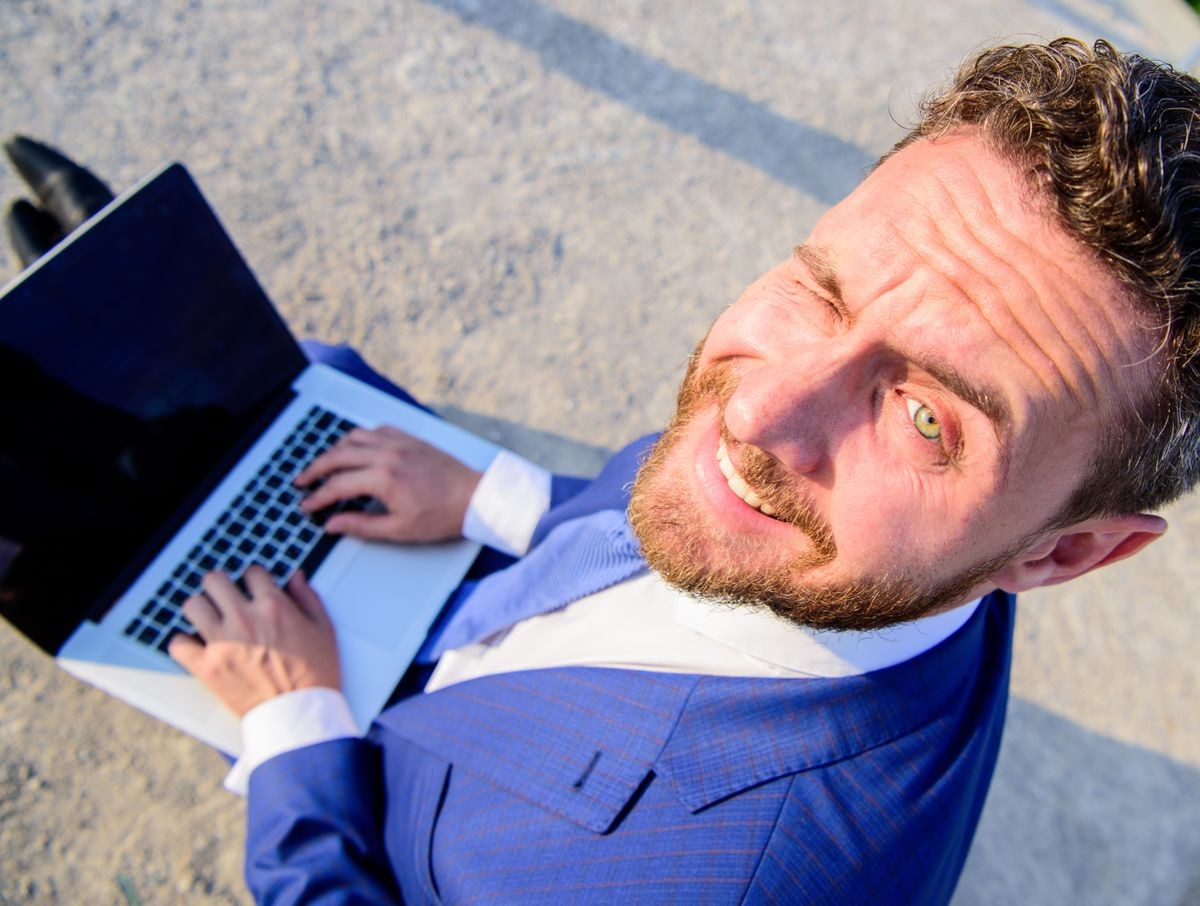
798 406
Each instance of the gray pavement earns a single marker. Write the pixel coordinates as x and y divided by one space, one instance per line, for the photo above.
529 212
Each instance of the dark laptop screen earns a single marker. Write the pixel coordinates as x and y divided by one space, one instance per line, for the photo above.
133 361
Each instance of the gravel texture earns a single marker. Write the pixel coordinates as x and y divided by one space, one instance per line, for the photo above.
529 212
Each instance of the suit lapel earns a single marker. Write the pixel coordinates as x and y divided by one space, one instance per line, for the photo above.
576 741
738 732
580 741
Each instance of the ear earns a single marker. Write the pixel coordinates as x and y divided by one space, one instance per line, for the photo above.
1071 552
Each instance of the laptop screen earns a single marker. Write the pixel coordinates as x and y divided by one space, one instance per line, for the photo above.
134 360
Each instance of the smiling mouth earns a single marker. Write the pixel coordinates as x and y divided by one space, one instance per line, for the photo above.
738 484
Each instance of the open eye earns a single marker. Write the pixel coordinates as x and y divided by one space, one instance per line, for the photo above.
925 421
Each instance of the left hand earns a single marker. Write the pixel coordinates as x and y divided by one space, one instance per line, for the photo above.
259 647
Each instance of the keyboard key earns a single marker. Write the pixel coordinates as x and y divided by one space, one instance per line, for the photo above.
264 512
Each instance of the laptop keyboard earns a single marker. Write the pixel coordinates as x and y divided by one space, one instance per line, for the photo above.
264 524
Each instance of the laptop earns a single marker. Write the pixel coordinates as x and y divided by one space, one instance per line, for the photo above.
157 410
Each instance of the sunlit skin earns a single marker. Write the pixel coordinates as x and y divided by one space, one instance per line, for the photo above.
929 370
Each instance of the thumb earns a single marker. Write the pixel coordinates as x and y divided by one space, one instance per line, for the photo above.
186 650
306 598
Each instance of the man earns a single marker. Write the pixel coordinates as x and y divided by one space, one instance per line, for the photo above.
973 378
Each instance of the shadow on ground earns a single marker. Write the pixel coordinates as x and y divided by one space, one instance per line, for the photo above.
1075 817
796 154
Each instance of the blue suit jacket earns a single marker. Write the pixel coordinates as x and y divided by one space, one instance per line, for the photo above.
596 785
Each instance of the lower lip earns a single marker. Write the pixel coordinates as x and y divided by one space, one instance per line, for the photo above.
713 487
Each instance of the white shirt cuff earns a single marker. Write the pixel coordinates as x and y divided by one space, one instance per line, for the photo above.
507 504
289 721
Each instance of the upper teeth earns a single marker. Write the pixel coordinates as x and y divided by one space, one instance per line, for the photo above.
737 483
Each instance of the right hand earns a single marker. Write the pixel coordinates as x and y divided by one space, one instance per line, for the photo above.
425 492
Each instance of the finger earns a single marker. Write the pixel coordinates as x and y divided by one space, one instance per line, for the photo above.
392 434
345 486
204 615
306 598
259 582
186 650
223 593
373 526
365 437
338 458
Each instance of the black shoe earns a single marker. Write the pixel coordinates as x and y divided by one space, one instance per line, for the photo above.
31 231
68 193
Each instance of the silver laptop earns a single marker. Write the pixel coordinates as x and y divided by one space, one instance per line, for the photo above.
158 410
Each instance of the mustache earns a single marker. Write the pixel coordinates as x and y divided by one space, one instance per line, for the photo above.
760 470
774 485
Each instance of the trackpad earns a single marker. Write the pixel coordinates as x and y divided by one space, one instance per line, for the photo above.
389 594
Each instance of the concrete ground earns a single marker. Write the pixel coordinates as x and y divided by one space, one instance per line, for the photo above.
529 212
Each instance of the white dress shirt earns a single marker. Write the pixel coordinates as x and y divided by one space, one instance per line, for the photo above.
639 624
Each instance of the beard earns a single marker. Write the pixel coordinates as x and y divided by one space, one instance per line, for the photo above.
713 563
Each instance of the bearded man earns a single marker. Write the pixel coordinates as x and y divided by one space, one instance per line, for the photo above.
777 671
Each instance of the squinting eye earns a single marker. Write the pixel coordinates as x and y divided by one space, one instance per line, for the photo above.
925 420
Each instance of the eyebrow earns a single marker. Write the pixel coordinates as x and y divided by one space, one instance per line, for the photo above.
987 401
819 264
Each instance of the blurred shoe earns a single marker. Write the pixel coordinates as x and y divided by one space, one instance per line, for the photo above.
67 192
31 231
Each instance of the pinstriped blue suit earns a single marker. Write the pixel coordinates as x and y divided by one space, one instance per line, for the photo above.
596 785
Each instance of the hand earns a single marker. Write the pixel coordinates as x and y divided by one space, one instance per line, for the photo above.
255 649
425 492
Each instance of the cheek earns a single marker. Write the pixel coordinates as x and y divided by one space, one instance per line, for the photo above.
887 516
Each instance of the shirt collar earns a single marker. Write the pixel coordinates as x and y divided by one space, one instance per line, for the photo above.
813 652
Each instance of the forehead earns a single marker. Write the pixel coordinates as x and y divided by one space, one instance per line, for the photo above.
949 245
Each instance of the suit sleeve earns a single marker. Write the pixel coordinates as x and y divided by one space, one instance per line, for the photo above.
315 827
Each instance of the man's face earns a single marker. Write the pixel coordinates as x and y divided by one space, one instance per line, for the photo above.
888 416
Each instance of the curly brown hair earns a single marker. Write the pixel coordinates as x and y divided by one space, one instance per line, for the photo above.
1112 141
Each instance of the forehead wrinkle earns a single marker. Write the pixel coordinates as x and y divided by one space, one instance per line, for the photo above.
1084 322
973 265
956 292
